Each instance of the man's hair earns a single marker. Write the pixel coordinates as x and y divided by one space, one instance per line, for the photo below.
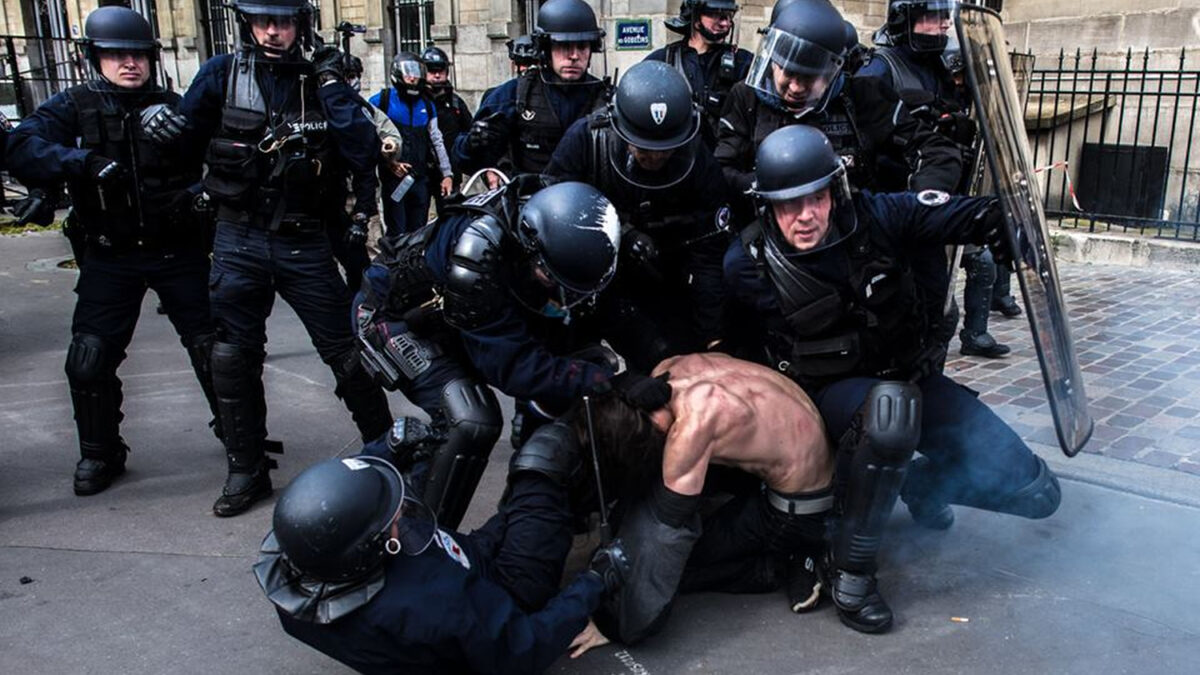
628 444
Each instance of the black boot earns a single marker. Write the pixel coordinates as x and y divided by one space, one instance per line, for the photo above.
977 294
249 481
1006 305
99 467
918 495
981 344
859 604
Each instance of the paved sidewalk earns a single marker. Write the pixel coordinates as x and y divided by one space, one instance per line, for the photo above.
143 579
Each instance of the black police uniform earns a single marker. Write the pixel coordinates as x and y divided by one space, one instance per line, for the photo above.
483 602
680 290
454 119
273 165
841 319
533 116
490 329
711 75
136 230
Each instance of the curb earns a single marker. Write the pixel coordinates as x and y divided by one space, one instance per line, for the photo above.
1143 480
1111 248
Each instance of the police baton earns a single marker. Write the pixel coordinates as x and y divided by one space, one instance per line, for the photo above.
605 529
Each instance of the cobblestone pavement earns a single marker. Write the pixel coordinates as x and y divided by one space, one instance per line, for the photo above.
1137 334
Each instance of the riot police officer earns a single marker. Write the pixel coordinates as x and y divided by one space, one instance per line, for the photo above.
924 67
494 289
133 226
523 119
797 78
408 104
278 132
707 56
643 152
829 273
453 115
357 569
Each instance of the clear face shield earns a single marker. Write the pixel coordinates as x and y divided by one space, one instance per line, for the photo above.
796 73
931 26
651 169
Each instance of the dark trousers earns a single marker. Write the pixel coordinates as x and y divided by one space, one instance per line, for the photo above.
110 292
352 257
411 212
251 265
525 545
971 450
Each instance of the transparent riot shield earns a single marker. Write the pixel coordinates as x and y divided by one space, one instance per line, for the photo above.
1002 127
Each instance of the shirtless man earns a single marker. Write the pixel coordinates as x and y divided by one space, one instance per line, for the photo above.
726 412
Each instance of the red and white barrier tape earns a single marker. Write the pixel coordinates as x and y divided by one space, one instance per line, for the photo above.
1062 165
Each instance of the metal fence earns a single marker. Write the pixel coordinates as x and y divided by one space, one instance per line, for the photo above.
32 69
1113 139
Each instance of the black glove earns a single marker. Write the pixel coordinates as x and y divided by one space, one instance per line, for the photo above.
203 204
991 221
638 247
642 391
102 169
598 354
411 441
329 64
162 124
37 208
612 565
488 132
356 234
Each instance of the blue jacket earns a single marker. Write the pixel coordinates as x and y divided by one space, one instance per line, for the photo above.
437 613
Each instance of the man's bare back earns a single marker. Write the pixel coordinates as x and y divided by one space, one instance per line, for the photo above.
740 414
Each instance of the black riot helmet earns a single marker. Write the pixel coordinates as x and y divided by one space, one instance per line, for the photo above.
435 59
118 29
690 11
522 52
334 521
407 64
801 56
904 15
796 163
298 11
652 110
856 55
572 233
566 21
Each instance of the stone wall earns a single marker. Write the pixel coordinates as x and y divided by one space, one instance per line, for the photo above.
1111 26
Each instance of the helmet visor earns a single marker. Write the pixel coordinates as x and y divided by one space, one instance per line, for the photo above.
408 69
793 71
930 25
651 169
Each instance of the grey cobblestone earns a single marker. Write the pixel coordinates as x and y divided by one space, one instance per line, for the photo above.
1137 333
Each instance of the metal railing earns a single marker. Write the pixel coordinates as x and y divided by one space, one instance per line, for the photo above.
1113 139
32 69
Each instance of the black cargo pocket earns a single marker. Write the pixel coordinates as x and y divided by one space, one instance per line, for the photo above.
232 169
822 358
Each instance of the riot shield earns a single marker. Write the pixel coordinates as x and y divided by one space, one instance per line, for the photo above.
1002 126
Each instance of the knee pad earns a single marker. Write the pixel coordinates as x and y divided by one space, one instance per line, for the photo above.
552 450
232 360
87 359
1039 498
892 419
473 418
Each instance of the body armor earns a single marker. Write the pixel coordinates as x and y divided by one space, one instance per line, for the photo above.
125 215
538 127
265 172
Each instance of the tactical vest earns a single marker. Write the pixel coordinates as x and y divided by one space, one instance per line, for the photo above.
866 322
265 172
839 125
415 146
538 127
450 109
126 215
712 93
904 74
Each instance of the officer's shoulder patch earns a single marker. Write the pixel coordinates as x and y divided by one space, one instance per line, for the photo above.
452 549
933 197
723 219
